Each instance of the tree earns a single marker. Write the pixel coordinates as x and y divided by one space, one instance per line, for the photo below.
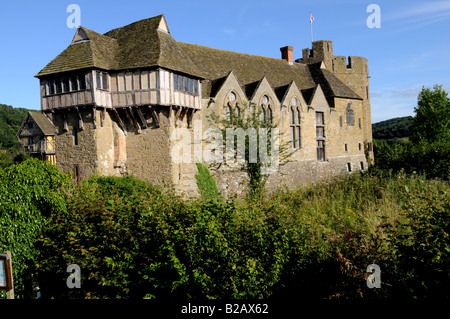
432 119
29 193
264 149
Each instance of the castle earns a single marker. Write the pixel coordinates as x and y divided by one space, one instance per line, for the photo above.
111 102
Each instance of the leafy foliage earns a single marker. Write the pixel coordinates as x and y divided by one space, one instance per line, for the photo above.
399 127
131 240
252 119
206 183
10 121
29 192
428 150
432 119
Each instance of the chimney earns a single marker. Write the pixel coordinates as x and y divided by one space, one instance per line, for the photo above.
286 54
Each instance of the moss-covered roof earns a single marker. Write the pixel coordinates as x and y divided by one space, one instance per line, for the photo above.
137 45
331 85
99 52
44 124
215 63
143 44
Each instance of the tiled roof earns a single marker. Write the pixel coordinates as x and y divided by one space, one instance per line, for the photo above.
331 85
215 63
43 123
137 45
143 44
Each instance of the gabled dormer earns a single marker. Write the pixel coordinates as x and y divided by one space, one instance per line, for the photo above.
36 136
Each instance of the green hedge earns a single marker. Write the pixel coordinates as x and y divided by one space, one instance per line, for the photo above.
29 193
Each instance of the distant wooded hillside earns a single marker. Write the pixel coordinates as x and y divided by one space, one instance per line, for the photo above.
394 128
10 120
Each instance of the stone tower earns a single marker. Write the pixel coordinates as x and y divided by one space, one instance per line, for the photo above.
353 71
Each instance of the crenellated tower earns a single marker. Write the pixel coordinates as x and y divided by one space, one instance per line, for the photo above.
353 71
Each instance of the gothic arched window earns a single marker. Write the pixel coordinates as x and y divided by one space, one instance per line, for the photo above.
295 124
266 110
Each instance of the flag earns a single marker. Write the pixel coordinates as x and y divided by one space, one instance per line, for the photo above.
311 18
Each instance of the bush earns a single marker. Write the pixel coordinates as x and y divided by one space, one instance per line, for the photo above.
107 231
29 192
206 183
131 240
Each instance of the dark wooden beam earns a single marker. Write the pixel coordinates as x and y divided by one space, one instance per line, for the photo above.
80 120
135 122
102 116
65 127
155 115
122 125
141 117
94 117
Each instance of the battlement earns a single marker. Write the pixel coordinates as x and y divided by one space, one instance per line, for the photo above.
322 50
351 64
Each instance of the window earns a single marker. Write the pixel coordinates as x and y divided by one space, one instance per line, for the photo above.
73 83
58 87
269 114
50 87
184 84
350 115
266 109
362 165
346 147
262 115
295 126
340 120
195 86
321 151
81 82
175 82
320 127
359 122
228 111
75 136
349 167
30 140
232 106
320 136
30 124
359 146
102 80
66 84
319 118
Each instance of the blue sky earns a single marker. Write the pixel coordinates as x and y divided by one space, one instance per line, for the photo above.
411 49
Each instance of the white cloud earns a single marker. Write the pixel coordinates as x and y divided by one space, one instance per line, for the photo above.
229 31
418 15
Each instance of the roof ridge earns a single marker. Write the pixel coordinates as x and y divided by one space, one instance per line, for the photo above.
118 29
234 52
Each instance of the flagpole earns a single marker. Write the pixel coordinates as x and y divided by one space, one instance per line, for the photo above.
311 19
